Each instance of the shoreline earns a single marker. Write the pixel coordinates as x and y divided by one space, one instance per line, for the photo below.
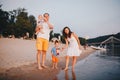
94 67
30 72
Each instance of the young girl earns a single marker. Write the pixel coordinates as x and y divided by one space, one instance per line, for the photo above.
73 46
39 24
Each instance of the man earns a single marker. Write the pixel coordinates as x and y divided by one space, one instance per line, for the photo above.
43 41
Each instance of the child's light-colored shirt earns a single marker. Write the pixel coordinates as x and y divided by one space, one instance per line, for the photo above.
40 22
54 51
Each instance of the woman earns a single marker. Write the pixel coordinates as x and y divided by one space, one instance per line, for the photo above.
73 46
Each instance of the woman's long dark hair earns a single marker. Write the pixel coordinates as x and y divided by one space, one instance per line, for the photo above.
67 35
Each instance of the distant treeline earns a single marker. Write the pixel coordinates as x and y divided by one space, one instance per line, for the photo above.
102 38
17 23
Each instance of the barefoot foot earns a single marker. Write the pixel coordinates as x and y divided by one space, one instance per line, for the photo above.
44 66
40 68
65 69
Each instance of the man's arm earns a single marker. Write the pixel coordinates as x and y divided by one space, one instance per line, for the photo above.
50 25
36 29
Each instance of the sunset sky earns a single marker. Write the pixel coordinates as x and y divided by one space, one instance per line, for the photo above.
90 18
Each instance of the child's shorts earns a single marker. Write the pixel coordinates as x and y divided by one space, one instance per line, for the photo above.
54 59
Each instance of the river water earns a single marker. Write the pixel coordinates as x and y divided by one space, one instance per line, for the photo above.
97 66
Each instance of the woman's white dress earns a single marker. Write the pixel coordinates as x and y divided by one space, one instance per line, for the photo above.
73 48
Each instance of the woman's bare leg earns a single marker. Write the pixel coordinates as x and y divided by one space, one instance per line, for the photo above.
67 62
74 62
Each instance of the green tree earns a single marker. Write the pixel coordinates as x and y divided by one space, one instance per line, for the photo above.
82 41
63 39
4 16
20 29
32 21
17 23
56 35
11 24
23 24
51 35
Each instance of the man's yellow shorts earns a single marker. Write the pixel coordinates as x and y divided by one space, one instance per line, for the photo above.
42 44
54 59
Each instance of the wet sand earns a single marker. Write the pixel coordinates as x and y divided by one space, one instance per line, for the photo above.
18 60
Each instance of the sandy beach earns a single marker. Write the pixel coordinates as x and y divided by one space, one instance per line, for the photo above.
18 60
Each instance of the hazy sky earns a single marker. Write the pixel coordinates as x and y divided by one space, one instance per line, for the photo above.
91 18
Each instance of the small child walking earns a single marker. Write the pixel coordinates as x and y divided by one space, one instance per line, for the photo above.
55 52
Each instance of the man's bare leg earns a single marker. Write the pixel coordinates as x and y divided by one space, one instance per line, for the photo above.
38 59
43 59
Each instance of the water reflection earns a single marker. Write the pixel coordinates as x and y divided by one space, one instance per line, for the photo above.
94 67
112 51
67 77
73 75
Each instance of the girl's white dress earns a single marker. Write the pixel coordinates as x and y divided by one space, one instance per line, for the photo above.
73 48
